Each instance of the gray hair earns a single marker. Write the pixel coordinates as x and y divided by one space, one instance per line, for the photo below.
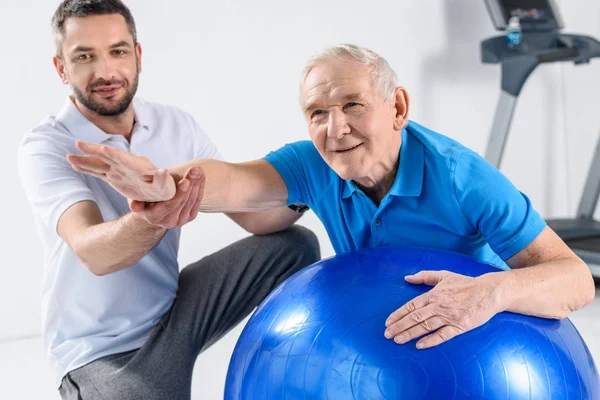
383 76
87 8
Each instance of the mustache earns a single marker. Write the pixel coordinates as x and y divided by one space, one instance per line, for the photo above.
104 82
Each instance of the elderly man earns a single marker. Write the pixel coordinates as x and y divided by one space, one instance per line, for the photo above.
374 178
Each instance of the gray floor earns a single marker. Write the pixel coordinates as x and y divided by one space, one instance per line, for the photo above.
24 374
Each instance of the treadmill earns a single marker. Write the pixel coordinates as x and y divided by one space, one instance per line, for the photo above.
542 42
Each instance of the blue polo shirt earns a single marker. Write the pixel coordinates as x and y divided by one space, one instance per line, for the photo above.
444 196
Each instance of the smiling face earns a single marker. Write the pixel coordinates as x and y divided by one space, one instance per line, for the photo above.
101 62
354 128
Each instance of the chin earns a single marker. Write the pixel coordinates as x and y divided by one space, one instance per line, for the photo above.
346 173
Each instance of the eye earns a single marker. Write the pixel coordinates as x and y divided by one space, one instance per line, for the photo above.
316 113
83 57
351 104
119 52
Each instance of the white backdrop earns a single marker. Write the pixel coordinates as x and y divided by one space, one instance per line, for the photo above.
235 66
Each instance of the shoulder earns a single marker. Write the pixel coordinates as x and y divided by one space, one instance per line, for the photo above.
302 153
437 145
46 138
162 114
303 158
446 155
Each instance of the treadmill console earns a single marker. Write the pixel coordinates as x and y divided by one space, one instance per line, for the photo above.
534 15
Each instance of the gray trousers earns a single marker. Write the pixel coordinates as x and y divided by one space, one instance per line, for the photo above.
214 295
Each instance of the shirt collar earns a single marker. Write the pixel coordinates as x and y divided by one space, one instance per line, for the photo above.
411 169
82 129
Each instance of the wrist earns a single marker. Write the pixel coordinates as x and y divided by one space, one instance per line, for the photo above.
143 223
499 286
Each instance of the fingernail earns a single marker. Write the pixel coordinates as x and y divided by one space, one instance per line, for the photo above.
195 173
420 345
399 339
388 335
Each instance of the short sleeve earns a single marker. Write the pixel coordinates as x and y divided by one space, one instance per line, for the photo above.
300 166
204 147
50 184
493 206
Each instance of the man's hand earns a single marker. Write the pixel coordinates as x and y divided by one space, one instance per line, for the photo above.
135 177
455 305
178 211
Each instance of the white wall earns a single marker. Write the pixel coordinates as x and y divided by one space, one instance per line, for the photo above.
235 66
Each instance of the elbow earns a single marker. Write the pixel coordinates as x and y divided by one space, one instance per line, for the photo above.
584 291
96 270
94 267
589 292
265 229
90 263
255 229
587 287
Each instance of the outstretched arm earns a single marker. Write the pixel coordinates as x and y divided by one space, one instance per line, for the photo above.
248 186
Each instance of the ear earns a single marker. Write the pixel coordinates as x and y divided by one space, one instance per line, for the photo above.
60 68
401 106
138 52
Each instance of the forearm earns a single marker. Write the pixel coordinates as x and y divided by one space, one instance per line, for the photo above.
549 290
266 222
111 246
241 187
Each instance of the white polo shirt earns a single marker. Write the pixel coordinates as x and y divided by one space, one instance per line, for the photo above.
85 317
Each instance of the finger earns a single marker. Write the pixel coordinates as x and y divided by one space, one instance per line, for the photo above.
426 327
187 209
137 206
410 320
430 278
88 172
194 173
411 306
93 149
91 163
440 336
164 181
201 186
161 213
121 157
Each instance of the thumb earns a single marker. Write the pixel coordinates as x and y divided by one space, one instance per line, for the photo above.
430 278
136 206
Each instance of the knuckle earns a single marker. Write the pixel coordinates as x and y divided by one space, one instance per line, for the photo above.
416 316
410 306
464 320
444 334
427 325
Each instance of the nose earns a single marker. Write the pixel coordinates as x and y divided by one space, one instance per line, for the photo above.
338 126
105 68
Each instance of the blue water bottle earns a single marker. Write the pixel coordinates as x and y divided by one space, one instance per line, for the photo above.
514 35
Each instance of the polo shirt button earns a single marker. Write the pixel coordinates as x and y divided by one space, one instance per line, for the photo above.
377 222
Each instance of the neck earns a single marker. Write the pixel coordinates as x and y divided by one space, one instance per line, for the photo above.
382 176
121 124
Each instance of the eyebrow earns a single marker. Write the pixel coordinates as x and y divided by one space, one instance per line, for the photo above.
310 107
81 49
122 43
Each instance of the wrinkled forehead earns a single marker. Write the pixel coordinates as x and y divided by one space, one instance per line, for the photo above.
335 81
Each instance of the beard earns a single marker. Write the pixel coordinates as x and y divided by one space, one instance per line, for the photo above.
112 110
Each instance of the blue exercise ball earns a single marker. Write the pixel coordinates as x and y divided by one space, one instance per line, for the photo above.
319 335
